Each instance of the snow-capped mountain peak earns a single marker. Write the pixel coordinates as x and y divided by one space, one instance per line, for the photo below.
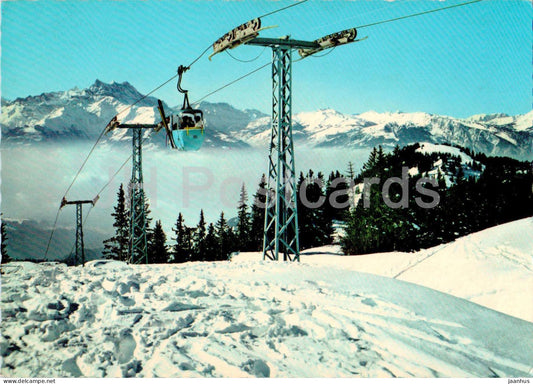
82 114
498 135
123 92
416 118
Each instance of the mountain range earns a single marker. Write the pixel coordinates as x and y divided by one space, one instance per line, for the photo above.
81 114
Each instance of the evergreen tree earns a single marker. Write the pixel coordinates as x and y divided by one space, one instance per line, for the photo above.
3 232
368 167
243 222
211 243
341 197
314 226
258 216
225 238
351 171
199 251
188 243
117 247
182 248
157 249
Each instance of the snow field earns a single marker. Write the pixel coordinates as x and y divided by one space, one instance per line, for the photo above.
246 319
493 267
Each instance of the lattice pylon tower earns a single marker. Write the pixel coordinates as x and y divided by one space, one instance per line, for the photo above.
80 248
281 215
138 244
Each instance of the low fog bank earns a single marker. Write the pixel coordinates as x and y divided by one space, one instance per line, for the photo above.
35 178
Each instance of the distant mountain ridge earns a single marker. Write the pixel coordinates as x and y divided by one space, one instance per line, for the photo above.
495 135
79 114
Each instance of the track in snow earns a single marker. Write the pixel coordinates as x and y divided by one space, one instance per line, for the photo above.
246 319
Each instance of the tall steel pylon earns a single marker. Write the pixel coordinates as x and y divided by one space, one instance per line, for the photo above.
138 244
80 249
281 215
138 248
280 235
79 257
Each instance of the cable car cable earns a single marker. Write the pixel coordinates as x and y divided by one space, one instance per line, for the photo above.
282 9
52 234
406 17
232 82
418 14
199 57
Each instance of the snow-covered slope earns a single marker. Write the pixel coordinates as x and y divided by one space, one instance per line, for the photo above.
247 319
493 268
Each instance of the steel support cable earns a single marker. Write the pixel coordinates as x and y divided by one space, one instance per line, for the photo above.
401 18
283 8
232 82
146 138
52 233
200 56
418 14
322 55
130 156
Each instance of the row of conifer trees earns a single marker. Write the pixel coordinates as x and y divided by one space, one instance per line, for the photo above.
216 241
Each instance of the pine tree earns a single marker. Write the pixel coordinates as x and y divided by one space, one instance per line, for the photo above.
181 250
314 226
3 232
211 243
117 247
332 212
157 249
199 251
243 222
368 167
258 216
224 238
188 243
351 172
147 217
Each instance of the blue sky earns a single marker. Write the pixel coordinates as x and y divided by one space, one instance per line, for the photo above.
459 62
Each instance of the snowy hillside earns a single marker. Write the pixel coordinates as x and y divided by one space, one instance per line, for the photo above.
79 114
470 167
493 268
246 319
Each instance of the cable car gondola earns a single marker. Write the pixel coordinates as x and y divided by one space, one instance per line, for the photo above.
185 131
